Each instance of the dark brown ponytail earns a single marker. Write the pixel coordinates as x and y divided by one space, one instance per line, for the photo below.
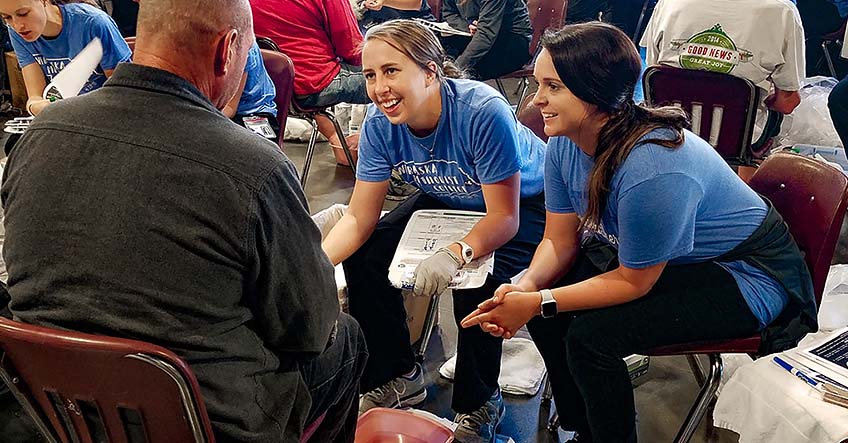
599 64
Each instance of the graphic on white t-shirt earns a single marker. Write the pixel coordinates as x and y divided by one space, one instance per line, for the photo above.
710 50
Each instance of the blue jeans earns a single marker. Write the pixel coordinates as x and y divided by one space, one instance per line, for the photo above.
347 87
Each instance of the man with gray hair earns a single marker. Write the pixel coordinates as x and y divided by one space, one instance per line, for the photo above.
141 211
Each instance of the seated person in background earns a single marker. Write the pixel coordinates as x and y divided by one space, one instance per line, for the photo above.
837 102
760 40
125 13
379 11
255 96
460 143
692 253
49 33
187 231
820 17
500 36
322 39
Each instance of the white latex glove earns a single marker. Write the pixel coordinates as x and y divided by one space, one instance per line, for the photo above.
434 274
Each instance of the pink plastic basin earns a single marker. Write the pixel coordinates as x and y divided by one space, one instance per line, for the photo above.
380 425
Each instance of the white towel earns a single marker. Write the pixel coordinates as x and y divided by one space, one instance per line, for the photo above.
522 368
764 403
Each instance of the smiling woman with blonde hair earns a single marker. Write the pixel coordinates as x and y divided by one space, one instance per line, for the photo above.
50 33
460 143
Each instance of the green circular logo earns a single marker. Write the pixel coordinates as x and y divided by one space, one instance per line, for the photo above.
711 50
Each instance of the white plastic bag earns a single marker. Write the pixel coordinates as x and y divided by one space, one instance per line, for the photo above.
810 122
298 130
833 312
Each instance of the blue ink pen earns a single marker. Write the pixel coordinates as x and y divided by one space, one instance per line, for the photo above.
796 372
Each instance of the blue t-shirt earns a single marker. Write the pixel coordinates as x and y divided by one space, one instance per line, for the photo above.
81 23
258 95
478 141
681 205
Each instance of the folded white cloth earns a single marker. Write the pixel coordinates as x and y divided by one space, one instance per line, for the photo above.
764 403
522 368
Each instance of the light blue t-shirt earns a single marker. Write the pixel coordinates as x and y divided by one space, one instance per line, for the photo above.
258 95
81 23
681 205
478 141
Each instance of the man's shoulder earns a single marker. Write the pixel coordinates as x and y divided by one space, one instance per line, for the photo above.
163 125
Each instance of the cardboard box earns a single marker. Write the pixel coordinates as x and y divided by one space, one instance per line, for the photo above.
16 81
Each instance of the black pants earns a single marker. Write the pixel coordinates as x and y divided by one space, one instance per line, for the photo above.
333 381
837 102
819 17
510 52
379 307
583 350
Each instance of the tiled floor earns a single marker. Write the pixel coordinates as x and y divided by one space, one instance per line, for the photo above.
663 395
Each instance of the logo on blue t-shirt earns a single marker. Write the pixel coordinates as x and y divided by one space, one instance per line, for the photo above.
440 178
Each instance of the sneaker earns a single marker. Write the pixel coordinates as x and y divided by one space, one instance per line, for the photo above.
401 392
480 425
399 189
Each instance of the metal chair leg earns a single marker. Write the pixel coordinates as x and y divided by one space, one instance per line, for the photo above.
547 391
695 365
525 87
702 403
429 325
553 423
310 151
828 58
340 134
501 88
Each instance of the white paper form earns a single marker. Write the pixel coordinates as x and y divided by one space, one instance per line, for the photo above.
427 231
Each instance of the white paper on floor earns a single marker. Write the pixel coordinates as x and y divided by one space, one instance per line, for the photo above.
522 368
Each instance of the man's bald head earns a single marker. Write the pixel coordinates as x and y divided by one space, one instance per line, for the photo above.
187 23
202 41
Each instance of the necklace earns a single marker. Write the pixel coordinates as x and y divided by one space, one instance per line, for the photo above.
432 147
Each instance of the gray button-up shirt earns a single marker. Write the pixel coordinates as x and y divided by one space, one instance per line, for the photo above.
140 211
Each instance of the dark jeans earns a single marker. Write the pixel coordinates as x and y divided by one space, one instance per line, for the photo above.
333 381
583 350
837 102
348 86
510 52
379 307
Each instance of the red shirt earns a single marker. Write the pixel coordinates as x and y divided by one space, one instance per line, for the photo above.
316 34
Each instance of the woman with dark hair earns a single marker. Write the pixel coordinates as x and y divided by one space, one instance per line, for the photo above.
50 33
650 239
500 35
460 143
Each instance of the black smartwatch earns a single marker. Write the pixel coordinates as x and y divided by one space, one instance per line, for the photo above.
549 304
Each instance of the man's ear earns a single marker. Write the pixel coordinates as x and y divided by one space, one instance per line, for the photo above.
225 51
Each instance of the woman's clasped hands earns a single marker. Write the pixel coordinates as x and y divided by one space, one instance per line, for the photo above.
504 314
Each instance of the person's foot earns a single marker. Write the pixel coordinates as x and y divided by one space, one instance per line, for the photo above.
399 189
401 392
480 425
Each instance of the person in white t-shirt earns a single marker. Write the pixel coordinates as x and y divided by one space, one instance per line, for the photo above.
760 40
